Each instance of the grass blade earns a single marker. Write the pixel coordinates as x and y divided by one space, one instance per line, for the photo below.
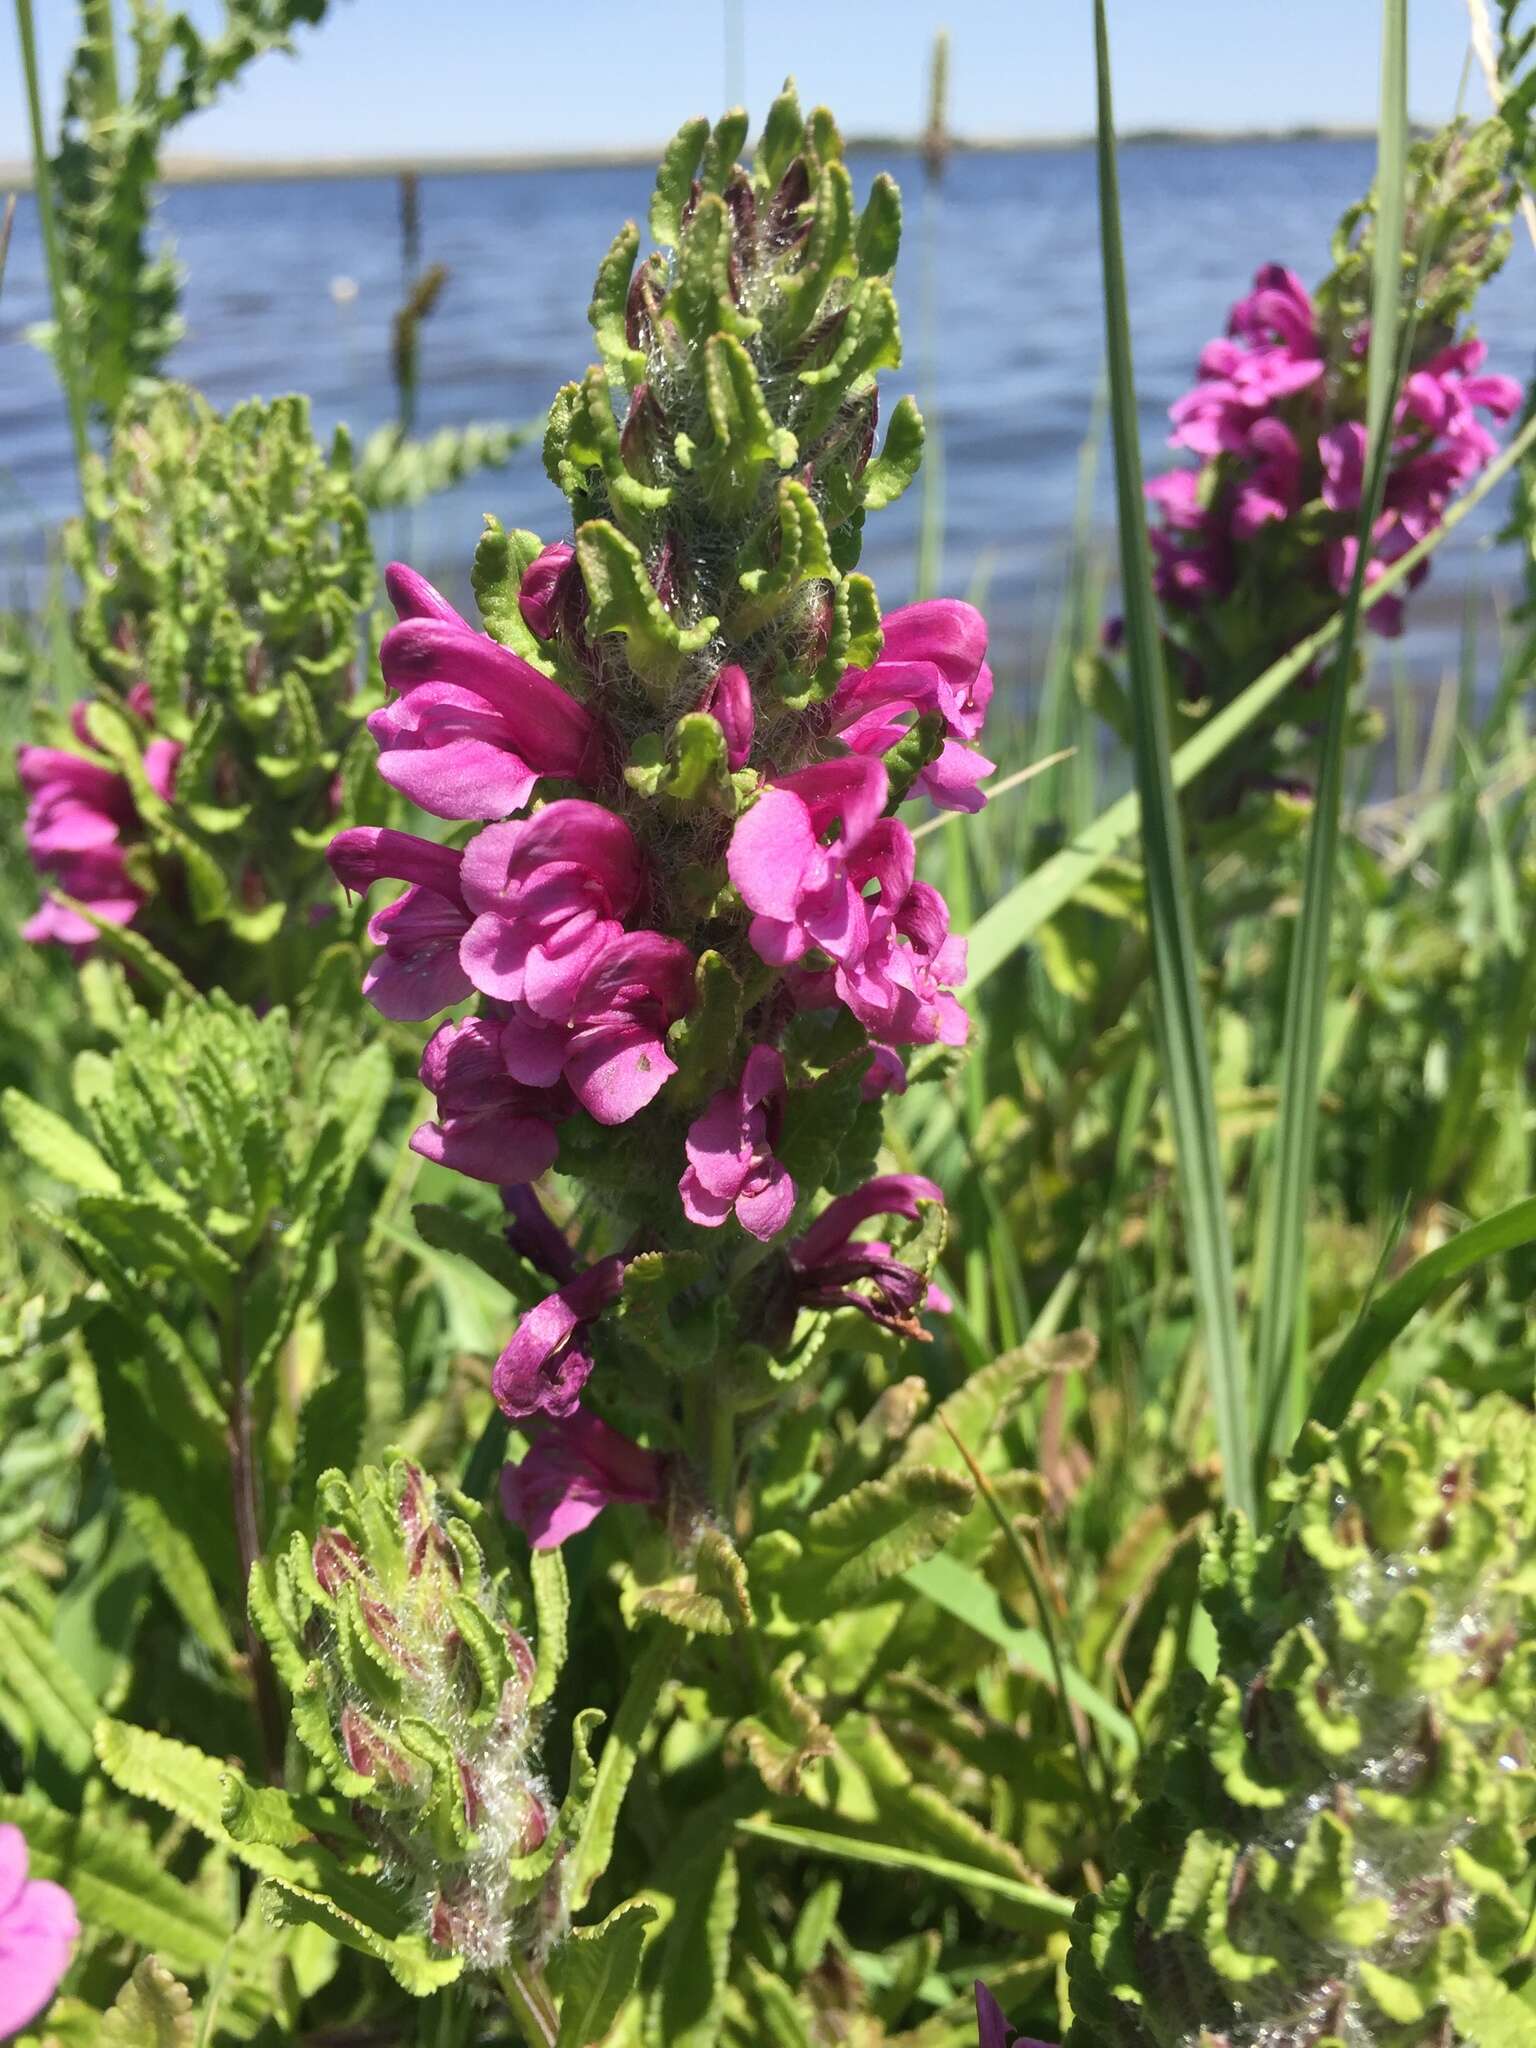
1392 1310
858 1849
1281 1331
1013 921
1186 1069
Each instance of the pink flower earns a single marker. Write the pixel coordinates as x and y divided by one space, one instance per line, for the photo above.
418 972
38 1928
1177 495
489 1125
610 1047
900 990
1342 451
575 1468
1272 488
413 597
548 897
790 866
474 726
886 1074
80 820
541 593
730 1153
933 659
993 2030
830 1266
1278 309
729 702
544 1368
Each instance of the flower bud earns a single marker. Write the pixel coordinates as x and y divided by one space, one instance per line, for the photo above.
417 1682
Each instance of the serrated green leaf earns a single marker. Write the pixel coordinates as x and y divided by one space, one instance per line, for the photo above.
616 1765
151 2011
54 1145
595 1970
889 473
608 311
878 238
685 2011
623 600
704 1043
552 1612
873 1533
57 1702
782 139
674 180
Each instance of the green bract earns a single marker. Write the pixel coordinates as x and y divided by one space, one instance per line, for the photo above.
721 521
1332 1849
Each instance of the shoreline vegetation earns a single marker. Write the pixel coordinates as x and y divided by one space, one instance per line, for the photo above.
210 170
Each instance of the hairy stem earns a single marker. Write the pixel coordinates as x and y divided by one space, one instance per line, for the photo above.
244 1485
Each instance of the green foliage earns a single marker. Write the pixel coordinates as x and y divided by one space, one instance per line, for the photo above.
1334 1843
121 299
223 567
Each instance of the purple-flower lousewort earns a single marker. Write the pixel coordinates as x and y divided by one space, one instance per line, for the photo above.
688 915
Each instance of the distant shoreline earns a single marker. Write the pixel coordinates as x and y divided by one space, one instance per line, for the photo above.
195 170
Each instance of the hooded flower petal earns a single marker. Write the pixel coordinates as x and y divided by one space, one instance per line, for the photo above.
488 1125
540 592
544 1368
576 1467
474 725
833 1270
550 896
993 2030
788 858
730 1153
418 972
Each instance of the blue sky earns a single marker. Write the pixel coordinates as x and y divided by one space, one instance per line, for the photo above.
394 76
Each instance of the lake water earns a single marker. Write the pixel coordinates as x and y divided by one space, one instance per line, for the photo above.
1016 344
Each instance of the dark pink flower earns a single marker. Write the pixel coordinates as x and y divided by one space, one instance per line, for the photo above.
80 820
541 592
575 1468
611 1045
418 971
1272 488
549 896
1278 309
38 1928
933 659
1177 495
901 988
730 1153
489 1125
729 702
473 725
1342 452
789 857
834 1270
886 1074
544 1368
534 1234
993 2030
413 597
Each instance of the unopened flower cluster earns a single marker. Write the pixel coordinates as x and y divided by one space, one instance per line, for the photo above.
223 569
688 914
1333 1841
412 1690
